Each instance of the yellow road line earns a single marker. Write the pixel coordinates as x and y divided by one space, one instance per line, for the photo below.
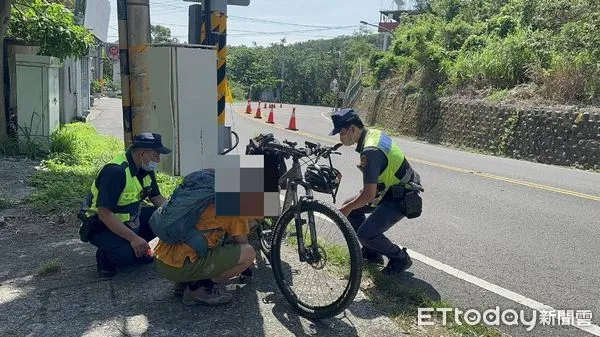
448 167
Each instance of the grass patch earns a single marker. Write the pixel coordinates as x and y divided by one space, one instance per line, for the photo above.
48 268
397 298
400 302
497 95
77 152
6 203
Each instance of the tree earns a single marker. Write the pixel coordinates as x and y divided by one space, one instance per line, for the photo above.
70 4
53 27
50 25
161 34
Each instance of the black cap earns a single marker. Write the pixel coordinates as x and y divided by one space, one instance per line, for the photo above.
148 140
344 118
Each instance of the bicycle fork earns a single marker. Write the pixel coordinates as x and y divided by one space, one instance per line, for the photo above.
308 254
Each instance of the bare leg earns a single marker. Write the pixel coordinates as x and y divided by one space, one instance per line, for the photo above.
247 256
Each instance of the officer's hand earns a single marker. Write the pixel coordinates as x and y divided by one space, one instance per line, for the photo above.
140 246
345 210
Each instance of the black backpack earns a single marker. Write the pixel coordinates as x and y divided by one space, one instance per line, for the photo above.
274 161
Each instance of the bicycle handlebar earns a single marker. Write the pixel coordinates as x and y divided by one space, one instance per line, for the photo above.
310 149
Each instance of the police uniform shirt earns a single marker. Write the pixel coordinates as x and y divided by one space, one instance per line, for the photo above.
372 160
111 182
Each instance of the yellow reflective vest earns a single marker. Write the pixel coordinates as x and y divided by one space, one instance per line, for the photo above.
131 196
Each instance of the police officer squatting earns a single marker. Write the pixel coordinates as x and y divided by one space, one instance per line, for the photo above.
113 216
391 191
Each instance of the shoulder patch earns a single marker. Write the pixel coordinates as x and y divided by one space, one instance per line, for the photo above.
363 160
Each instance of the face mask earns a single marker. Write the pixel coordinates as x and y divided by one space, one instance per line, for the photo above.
151 166
347 138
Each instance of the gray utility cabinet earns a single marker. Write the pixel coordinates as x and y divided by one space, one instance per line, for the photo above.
38 97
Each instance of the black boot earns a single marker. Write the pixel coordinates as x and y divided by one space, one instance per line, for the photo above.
398 264
105 268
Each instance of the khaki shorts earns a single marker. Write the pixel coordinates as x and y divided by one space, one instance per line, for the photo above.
216 262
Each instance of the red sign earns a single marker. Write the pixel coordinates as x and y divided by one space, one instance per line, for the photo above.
113 53
387 26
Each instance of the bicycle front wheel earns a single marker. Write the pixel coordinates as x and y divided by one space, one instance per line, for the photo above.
327 282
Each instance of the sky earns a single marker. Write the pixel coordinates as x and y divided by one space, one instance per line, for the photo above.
290 19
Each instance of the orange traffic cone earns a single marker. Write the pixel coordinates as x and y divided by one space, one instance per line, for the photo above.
292 125
258 115
270 120
248 108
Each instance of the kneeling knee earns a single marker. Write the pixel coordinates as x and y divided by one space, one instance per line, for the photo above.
363 235
248 253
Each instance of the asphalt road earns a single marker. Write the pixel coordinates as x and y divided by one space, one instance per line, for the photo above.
494 231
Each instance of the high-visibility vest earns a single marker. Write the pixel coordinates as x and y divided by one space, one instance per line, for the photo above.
131 196
398 170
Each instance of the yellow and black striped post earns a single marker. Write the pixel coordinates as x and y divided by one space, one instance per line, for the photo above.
219 30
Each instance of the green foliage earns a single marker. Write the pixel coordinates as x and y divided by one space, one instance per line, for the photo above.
502 63
238 91
107 69
498 44
50 267
78 152
95 87
52 26
307 68
161 34
6 202
80 144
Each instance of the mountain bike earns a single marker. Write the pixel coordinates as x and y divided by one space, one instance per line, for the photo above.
278 238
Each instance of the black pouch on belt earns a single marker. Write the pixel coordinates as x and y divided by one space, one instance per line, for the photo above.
411 204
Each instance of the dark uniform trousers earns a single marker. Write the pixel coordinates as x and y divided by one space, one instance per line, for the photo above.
113 248
370 229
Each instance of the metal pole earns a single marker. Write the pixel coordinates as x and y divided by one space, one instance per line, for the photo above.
195 24
206 36
385 41
137 28
219 29
337 96
124 64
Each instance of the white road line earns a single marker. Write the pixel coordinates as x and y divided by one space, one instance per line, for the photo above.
503 292
327 118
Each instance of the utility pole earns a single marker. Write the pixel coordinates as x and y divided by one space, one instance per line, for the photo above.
134 22
335 84
282 73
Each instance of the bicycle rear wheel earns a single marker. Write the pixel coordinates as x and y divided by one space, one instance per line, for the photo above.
331 256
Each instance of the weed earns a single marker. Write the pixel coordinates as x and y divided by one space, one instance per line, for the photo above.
48 268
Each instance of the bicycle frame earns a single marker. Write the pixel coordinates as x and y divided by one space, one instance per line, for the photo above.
294 178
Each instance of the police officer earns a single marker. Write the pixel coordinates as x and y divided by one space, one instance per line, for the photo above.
112 218
387 177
